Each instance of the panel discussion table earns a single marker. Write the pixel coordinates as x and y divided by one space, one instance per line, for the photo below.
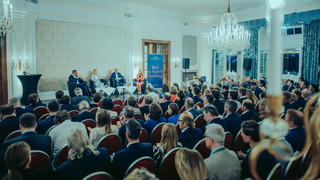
29 85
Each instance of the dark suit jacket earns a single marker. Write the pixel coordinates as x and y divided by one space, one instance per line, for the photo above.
122 130
285 87
164 106
45 125
250 115
241 100
257 92
233 122
77 99
233 86
69 107
34 105
301 101
7 126
219 105
75 79
215 121
180 103
93 106
123 158
20 111
296 138
89 163
195 112
286 106
290 88
225 94
83 115
144 110
190 137
113 76
295 105
197 99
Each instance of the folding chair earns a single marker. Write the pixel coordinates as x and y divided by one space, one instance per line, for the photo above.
13 134
156 134
143 162
168 169
202 149
100 175
39 160
112 142
40 111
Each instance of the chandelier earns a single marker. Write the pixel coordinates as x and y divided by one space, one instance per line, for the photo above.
229 36
6 21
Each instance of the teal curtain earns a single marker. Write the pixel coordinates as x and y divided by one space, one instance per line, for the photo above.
311 51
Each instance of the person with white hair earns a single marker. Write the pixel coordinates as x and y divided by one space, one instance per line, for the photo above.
306 94
17 106
84 112
150 92
222 163
79 97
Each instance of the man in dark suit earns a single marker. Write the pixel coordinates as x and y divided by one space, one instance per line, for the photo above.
256 90
59 95
134 150
45 125
286 100
189 104
145 106
34 101
232 119
17 106
36 141
225 92
74 77
217 102
116 78
79 97
9 122
290 85
300 99
166 101
211 116
66 104
231 84
196 94
242 92
248 111
96 99
189 134
285 85
207 99
84 112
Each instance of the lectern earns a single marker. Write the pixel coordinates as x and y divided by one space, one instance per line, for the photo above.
29 85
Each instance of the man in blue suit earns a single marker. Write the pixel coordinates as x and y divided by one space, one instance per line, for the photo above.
256 90
79 97
116 78
74 77
45 125
164 105
84 112
134 150
189 103
17 106
196 94
34 101
217 102
9 122
232 119
66 104
36 141
211 117
248 111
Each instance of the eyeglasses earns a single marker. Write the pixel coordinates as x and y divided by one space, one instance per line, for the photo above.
205 136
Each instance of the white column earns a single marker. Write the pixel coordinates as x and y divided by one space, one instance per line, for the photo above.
205 57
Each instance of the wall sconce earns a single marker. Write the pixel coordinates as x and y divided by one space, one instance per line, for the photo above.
177 63
13 65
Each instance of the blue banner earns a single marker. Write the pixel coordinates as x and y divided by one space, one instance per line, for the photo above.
155 70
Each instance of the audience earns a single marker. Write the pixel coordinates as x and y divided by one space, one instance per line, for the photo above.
107 104
196 95
262 109
165 102
9 122
173 110
233 94
232 119
189 105
79 97
84 112
248 111
173 92
300 100
46 124
96 99
217 102
155 117
242 94
145 108
286 101
250 95
181 98
17 106
150 92
211 117
66 104
256 90
34 101
59 95
189 134
165 89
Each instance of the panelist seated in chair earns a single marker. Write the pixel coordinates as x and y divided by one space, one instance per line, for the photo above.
98 80
116 78
74 77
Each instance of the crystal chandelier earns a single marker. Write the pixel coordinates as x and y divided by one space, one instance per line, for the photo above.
229 37
6 21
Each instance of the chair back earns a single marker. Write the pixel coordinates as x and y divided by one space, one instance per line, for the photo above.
256 107
138 116
73 112
199 121
228 140
62 156
100 175
305 161
156 134
178 129
275 173
114 120
143 162
89 123
239 111
282 115
112 142
71 87
167 115
183 109
50 129
292 168
92 87
43 117
13 134
239 144
40 111
117 108
94 110
141 100
39 160
300 109
118 102
202 149
198 104
144 137
175 100
125 103
168 169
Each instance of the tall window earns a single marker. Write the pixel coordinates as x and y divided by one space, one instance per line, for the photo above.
263 64
218 65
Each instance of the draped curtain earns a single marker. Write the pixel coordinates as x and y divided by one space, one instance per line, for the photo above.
311 52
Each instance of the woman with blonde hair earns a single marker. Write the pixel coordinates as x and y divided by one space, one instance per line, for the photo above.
190 165
83 154
250 95
169 140
103 127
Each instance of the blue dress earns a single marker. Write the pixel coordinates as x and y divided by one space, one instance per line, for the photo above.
174 119
150 124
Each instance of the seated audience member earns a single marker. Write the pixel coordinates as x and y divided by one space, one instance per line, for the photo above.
96 99
244 84
181 98
314 89
189 134
211 117
83 154
286 100
79 97
256 90
103 127
173 110
262 85
232 119
293 102
9 122
128 114
196 95
176 85
265 163
190 165
225 92
248 111
262 95
207 99
290 84
306 94
297 134
165 89
36 141
98 81
116 78
84 112
250 95
231 84
300 100
155 117
184 88
242 92
60 133
222 163
17 106
107 104
200 83
169 140
233 94
141 174
34 101
59 95
217 102
46 124
189 105
132 101
145 108
66 104
173 92
74 77
166 101
303 85
134 150
262 109
150 92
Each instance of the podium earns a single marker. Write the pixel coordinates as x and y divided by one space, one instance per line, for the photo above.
29 85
